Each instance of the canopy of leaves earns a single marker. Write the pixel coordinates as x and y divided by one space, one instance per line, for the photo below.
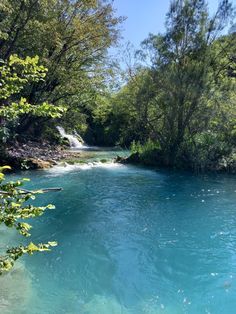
187 88
16 75
71 39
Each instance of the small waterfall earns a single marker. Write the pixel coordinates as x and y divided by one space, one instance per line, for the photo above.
73 140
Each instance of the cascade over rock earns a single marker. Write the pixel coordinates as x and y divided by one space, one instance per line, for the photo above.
75 141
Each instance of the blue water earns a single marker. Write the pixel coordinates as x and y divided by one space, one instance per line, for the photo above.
131 240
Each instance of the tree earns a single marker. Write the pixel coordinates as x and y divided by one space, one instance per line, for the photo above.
185 87
70 37
182 70
16 75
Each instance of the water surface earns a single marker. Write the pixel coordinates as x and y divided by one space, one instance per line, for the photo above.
131 240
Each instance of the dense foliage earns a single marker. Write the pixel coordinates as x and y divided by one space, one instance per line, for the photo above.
71 39
183 98
16 74
180 95
52 66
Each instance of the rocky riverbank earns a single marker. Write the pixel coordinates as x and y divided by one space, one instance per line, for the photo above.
35 155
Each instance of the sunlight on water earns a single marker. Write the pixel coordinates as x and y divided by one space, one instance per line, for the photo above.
131 241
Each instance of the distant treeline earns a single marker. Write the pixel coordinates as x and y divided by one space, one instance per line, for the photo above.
179 110
176 100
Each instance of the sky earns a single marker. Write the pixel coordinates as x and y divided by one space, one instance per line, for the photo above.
146 16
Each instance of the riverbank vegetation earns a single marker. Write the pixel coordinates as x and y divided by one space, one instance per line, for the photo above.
179 109
52 66
64 45
175 106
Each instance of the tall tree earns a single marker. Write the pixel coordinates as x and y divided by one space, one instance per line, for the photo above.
70 37
182 71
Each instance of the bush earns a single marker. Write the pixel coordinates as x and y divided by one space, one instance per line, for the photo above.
206 150
149 153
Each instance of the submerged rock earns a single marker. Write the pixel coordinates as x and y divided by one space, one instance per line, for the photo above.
133 158
104 305
15 290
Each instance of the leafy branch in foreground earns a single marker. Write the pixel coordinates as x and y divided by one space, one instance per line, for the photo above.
13 212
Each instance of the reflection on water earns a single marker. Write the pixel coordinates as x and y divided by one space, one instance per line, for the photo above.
133 241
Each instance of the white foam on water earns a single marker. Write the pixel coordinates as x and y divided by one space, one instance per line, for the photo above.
63 168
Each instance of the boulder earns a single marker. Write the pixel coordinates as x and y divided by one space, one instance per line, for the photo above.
33 163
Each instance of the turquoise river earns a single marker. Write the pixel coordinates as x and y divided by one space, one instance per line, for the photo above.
130 241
